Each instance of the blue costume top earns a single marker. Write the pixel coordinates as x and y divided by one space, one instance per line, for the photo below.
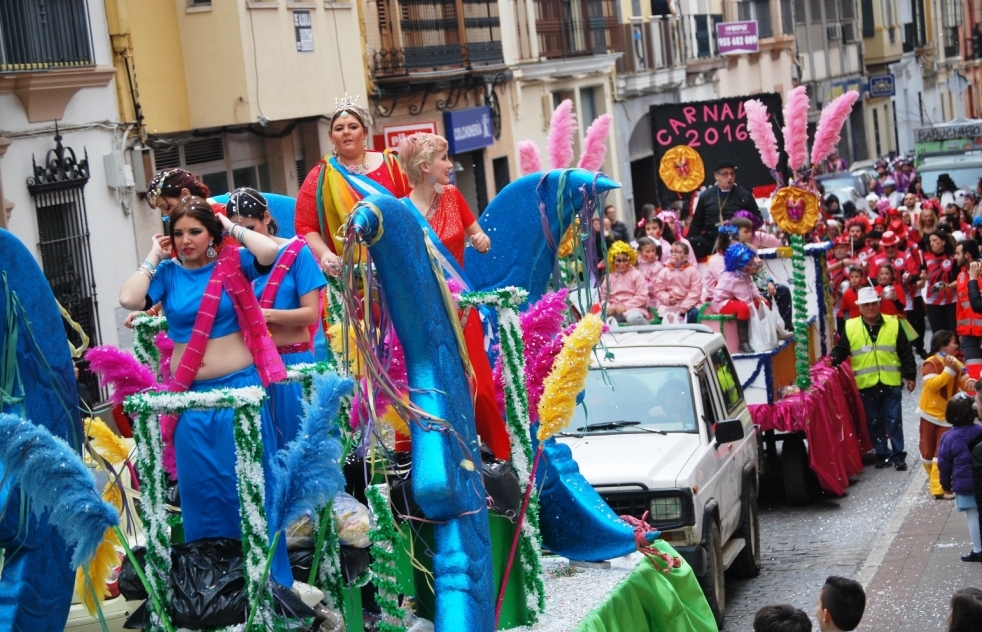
181 290
304 276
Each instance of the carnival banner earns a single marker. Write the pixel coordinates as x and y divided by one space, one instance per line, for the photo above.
688 140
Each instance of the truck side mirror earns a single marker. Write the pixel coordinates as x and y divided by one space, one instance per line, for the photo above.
729 430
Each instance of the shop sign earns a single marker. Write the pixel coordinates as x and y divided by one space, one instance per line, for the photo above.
734 38
881 86
468 129
395 134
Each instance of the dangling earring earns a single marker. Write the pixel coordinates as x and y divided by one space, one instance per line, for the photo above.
211 253
432 179
180 257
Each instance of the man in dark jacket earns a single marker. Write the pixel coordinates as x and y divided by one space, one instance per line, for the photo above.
716 205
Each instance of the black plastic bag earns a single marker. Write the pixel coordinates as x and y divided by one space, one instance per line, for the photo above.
286 603
354 562
500 482
130 585
208 583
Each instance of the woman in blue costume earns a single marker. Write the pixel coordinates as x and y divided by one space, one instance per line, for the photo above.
213 349
290 299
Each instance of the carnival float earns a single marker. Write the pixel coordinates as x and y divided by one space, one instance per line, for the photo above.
441 528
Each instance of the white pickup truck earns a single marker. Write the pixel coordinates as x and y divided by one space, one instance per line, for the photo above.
664 430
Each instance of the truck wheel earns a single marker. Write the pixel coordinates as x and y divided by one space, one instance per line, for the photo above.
794 463
747 563
712 583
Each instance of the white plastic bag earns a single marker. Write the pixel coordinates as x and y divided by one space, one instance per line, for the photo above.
671 318
353 521
763 329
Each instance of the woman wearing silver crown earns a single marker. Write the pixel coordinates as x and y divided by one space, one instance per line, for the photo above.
340 180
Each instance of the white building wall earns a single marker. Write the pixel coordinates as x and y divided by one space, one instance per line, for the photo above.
910 83
111 232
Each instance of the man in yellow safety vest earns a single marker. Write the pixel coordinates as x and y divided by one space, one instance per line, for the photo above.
882 358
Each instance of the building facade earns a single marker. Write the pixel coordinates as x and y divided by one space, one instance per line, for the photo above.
66 194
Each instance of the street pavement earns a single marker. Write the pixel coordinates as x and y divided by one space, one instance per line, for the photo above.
888 533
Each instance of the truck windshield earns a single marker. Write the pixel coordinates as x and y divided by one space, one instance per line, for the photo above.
636 399
966 177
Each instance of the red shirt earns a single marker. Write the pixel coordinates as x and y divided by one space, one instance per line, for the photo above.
306 219
890 307
848 307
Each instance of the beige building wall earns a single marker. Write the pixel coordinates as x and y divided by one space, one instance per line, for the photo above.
532 107
752 74
232 81
150 33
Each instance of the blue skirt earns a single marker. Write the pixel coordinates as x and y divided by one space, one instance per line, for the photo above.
964 502
205 449
286 401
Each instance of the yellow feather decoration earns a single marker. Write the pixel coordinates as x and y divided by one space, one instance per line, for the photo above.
337 347
392 418
567 377
100 568
104 441
569 239
112 495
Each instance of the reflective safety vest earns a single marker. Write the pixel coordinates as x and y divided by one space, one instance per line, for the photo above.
874 362
969 321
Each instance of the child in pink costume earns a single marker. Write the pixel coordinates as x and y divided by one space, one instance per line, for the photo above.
672 229
736 292
679 286
649 263
625 290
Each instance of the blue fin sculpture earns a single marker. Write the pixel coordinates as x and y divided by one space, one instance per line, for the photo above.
521 254
37 381
574 520
446 476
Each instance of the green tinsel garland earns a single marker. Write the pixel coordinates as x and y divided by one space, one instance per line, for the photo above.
517 422
384 538
800 305
145 330
246 404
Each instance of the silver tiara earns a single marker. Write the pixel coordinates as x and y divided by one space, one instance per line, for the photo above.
346 103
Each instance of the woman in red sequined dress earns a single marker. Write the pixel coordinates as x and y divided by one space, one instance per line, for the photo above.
425 159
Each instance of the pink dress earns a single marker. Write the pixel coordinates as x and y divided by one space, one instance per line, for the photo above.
734 286
684 284
714 268
629 289
650 272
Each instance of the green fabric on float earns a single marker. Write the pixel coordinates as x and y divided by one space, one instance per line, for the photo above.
649 600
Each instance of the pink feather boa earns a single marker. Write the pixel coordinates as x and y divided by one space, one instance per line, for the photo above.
595 144
834 116
762 133
561 132
796 127
528 157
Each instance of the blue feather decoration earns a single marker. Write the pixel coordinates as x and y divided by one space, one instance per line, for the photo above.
55 480
307 472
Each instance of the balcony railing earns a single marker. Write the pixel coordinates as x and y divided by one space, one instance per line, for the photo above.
700 35
654 45
570 28
432 39
44 34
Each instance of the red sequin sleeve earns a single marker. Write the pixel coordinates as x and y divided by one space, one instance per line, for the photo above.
305 218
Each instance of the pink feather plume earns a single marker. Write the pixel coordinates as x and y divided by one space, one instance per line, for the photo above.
120 371
528 157
561 132
595 145
796 127
761 131
541 323
834 116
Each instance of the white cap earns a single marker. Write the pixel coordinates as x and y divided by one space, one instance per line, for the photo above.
867 295
872 198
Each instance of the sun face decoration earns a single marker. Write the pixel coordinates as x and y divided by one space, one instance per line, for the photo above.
795 210
682 169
